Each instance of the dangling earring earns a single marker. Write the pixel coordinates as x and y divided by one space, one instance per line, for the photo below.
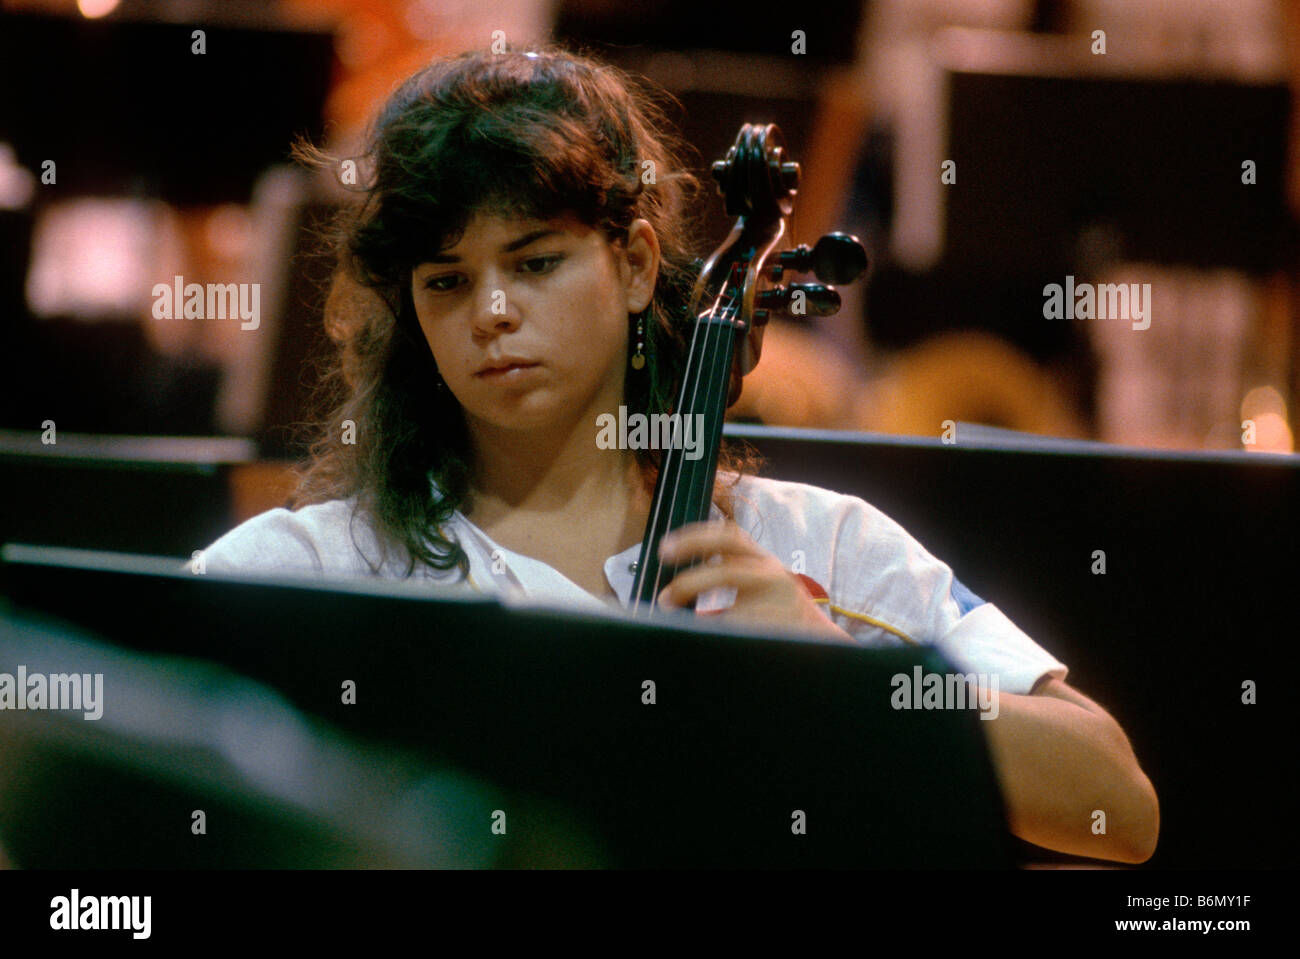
638 358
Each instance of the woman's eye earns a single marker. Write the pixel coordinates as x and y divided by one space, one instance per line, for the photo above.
442 284
541 264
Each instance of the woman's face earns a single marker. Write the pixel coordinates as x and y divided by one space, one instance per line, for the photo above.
553 294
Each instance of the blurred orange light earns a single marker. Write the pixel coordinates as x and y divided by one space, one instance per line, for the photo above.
96 8
1272 435
1267 409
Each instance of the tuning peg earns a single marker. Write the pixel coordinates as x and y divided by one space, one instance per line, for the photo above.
800 299
790 176
836 258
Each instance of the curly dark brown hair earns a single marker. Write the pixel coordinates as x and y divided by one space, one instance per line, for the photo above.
529 134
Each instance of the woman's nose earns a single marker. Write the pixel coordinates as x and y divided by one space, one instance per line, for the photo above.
494 307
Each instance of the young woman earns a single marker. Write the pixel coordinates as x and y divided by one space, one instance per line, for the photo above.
520 265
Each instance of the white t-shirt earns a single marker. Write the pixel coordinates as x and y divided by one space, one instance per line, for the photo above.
868 574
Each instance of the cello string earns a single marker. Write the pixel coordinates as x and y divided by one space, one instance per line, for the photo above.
663 462
713 339
661 500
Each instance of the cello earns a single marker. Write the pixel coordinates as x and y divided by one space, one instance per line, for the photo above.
738 289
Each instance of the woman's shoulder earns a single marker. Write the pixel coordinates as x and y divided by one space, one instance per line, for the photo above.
786 516
758 495
318 538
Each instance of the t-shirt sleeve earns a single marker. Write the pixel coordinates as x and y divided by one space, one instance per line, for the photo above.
883 582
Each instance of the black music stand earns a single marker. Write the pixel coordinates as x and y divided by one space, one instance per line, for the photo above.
539 712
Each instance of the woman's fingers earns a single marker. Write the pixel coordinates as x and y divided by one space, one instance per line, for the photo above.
700 540
745 575
766 592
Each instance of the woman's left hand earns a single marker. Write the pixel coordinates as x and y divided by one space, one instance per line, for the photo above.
766 592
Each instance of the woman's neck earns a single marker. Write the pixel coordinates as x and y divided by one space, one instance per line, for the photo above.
531 476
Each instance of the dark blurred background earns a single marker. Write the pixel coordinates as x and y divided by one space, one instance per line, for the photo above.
1122 166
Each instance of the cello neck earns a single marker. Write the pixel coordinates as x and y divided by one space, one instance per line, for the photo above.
684 488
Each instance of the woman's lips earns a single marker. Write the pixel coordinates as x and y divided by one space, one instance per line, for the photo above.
516 371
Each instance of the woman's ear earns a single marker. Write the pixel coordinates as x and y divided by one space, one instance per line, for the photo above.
640 265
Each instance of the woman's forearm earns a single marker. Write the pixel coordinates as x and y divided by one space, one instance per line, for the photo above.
1060 766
